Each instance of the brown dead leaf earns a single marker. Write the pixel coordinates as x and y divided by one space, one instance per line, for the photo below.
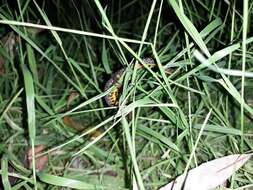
10 42
40 162
72 97
72 124
68 121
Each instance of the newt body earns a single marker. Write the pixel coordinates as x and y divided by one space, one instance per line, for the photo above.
112 98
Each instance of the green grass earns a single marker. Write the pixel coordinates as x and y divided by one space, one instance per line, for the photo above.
201 111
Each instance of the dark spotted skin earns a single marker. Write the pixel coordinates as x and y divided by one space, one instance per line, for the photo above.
112 98
149 61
